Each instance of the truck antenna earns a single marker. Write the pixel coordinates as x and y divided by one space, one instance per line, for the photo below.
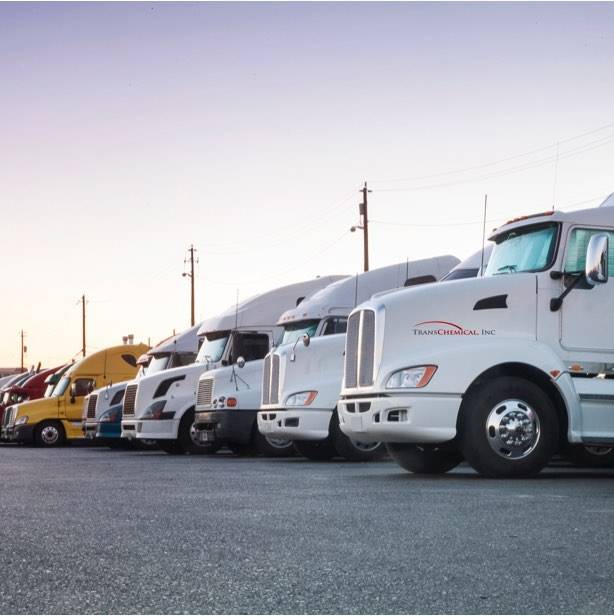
483 235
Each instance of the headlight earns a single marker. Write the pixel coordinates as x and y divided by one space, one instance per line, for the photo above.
113 415
21 420
411 378
154 411
302 398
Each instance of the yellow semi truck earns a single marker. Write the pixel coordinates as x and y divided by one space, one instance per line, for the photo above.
50 422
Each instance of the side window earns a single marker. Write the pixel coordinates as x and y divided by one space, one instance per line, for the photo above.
82 387
576 250
182 359
250 346
335 325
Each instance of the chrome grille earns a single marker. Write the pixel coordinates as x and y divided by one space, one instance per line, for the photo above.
367 348
266 380
360 349
9 416
205 392
351 350
129 400
275 379
91 406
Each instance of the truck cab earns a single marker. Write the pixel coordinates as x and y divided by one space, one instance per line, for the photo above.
102 409
502 370
302 376
50 422
228 397
32 388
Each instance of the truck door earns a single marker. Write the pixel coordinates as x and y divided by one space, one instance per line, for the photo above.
80 388
586 330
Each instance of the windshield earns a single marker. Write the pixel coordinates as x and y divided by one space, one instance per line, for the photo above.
212 347
529 249
158 363
461 274
294 331
61 387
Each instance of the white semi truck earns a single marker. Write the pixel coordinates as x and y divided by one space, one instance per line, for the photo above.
502 370
302 376
161 406
102 409
228 397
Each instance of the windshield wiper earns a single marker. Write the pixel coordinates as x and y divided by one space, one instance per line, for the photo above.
508 268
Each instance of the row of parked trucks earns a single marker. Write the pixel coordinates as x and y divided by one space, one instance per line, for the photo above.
503 360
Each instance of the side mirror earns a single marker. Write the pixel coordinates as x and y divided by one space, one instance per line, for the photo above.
240 362
596 270
306 340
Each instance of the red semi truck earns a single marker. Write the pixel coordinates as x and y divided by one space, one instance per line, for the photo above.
31 388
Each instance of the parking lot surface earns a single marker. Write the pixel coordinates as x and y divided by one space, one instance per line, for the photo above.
86 529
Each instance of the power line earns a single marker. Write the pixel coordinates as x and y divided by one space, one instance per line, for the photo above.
498 161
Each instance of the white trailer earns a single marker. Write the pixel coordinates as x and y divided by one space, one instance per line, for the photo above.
102 409
303 375
502 370
161 406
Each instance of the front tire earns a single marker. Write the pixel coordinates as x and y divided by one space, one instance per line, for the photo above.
318 451
272 447
424 459
508 428
354 451
188 438
49 434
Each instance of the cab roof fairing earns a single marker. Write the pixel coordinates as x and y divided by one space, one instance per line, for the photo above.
183 342
262 311
340 297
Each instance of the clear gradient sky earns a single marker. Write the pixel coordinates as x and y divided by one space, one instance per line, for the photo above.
129 131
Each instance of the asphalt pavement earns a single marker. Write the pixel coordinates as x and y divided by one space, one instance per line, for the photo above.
89 530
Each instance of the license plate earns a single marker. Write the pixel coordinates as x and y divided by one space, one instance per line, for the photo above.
206 437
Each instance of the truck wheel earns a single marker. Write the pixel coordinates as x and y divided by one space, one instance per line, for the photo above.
272 447
49 434
188 437
316 450
591 456
354 451
424 459
508 428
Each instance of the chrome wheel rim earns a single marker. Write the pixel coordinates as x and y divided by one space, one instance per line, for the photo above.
278 443
366 447
513 429
50 435
194 436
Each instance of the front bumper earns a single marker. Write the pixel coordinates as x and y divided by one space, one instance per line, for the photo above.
89 429
152 429
296 424
230 426
19 434
400 418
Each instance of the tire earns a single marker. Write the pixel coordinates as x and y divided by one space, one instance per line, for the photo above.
146 444
243 450
49 434
270 447
354 451
591 456
424 459
493 409
187 437
316 450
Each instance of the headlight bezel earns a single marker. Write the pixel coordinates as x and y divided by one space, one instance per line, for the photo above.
21 420
154 410
417 377
301 398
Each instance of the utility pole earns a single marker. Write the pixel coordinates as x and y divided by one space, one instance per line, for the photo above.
82 302
190 275
364 213
24 349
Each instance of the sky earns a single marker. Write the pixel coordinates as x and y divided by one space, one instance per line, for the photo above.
130 131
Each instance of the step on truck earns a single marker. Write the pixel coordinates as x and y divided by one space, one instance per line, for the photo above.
228 397
502 370
302 376
50 422
103 408
161 407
